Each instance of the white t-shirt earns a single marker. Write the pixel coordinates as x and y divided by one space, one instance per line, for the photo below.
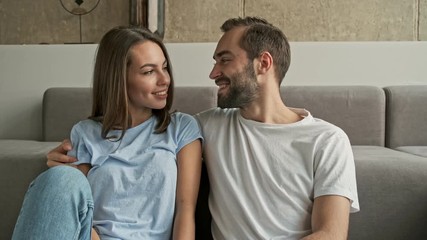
264 177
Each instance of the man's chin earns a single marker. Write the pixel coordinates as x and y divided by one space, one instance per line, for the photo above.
227 99
222 104
225 104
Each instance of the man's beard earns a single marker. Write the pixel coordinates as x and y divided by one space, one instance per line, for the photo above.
243 89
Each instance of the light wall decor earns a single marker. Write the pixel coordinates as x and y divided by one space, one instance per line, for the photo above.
79 8
149 14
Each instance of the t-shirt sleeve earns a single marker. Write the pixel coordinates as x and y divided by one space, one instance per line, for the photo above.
335 169
188 131
79 151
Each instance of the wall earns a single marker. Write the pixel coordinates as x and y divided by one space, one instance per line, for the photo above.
26 71
34 22
307 20
334 42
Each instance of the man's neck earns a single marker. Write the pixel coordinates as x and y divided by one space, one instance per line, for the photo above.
269 108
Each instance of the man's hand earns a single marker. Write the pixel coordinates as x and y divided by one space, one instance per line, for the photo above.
58 156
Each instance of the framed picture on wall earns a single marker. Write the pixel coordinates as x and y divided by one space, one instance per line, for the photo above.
149 14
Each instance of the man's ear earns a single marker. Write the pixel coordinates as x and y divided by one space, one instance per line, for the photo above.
264 63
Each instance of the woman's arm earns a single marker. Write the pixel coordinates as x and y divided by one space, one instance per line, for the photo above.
95 235
189 170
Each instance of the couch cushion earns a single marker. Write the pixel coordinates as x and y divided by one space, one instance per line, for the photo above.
62 108
193 100
392 193
20 161
358 110
417 150
406 115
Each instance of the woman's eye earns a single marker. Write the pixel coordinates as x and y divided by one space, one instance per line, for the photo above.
148 72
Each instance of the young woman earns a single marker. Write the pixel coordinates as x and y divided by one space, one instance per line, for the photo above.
142 162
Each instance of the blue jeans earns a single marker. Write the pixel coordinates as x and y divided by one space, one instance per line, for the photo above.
57 205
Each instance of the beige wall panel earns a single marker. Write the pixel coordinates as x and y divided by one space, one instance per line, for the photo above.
109 14
198 21
338 20
423 21
34 22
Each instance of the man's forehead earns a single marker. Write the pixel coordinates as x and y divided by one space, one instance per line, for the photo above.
229 43
234 35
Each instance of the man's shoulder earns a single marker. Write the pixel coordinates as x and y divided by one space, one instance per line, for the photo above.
327 130
215 113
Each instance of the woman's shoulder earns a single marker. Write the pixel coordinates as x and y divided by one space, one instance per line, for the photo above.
87 123
180 116
180 120
88 128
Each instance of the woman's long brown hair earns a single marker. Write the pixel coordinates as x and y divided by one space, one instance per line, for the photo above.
110 99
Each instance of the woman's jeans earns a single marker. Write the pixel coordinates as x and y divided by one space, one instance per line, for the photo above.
57 205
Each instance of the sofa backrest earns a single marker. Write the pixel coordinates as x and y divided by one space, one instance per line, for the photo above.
64 107
358 110
406 114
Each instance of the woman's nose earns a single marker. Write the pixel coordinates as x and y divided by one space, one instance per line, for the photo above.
164 78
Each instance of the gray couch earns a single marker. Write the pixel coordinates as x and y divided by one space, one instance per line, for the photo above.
386 126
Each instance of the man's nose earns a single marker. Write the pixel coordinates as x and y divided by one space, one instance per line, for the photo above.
215 73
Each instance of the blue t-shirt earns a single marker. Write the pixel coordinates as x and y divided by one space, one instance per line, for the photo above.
133 181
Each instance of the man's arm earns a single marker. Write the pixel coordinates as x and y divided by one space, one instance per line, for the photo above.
330 218
58 156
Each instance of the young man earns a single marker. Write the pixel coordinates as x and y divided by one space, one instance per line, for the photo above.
275 172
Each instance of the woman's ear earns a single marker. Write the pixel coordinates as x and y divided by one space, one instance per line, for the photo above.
264 62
